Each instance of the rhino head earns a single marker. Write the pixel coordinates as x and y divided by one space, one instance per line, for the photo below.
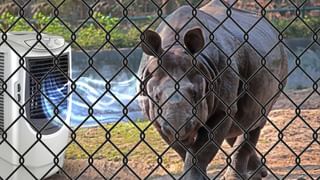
176 90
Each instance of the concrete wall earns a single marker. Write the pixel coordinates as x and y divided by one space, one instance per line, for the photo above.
108 62
301 75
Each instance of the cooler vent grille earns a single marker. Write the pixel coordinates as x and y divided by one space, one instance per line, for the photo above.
53 84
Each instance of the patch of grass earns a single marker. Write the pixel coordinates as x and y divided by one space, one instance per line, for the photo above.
119 140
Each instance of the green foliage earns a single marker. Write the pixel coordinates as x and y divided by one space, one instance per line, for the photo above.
106 32
51 25
106 21
298 28
13 23
90 37
101 31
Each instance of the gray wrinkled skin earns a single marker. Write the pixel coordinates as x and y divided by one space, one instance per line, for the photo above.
225 105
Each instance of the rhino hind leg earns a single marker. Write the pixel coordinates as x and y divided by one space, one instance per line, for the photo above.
244 152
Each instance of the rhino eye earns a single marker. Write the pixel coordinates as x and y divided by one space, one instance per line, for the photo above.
157 98
194 96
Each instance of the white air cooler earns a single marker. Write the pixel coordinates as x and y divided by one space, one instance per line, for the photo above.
40 70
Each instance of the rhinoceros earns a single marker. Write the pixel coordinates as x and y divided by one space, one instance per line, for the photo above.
208 75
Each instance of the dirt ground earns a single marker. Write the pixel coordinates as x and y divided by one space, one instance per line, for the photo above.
293 155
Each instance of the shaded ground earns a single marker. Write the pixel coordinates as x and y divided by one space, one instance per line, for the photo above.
297 144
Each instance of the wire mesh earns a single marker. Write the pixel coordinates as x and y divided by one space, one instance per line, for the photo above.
207 143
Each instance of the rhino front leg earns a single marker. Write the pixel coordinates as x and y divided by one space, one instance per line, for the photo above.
241 157
203 151
202 157
175 146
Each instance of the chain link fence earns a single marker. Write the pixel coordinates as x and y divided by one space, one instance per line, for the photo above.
75 102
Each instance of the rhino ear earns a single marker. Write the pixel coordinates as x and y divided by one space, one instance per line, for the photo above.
152 43
194 40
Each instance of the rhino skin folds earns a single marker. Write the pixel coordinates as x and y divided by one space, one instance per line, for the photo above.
223 96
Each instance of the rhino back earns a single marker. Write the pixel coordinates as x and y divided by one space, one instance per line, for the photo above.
182 20
261 35
227 35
